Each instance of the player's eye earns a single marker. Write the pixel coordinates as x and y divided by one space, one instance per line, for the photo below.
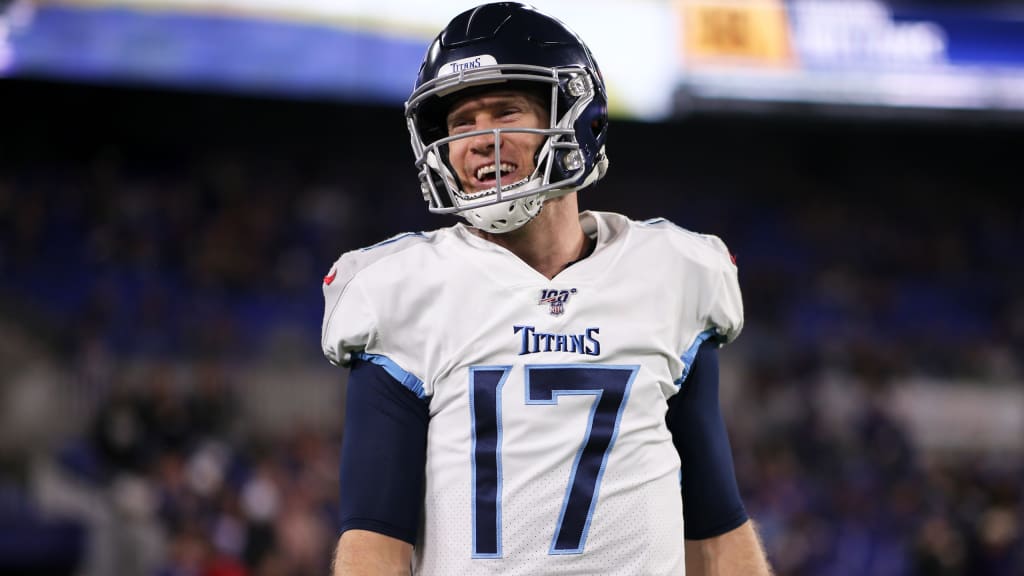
459 125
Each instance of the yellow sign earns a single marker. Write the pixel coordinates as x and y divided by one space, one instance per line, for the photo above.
748 33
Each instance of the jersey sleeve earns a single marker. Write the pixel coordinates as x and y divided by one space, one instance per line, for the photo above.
349 325
364 300
723 304
711 306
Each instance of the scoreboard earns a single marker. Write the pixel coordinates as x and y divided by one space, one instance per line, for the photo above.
850 56
744 33
660 58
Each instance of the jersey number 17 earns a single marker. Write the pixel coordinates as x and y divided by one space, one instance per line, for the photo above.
609 384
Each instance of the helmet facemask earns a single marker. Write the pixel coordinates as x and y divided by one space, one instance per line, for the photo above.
559 165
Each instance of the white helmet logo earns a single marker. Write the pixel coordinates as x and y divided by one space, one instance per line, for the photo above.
466 64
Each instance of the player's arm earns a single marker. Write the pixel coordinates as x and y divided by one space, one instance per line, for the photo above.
382 466
738 552
361 552
720 539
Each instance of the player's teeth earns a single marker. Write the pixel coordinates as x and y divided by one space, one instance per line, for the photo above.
506 169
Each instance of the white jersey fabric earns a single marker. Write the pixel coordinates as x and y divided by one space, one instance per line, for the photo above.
547 448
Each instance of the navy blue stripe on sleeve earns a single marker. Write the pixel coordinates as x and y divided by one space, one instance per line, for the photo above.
383 454
711 499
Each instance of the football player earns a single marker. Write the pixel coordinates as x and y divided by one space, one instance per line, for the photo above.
536 391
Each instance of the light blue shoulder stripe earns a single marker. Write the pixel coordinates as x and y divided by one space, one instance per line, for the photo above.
691 353
407 379
394 239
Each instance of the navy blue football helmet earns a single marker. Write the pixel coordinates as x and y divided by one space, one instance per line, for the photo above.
508 45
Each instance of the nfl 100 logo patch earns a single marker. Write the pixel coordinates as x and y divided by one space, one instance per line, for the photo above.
555 299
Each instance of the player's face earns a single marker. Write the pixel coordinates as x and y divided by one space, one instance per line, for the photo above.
473 157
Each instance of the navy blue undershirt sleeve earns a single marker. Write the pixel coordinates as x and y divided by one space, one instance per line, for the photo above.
383 454
711 499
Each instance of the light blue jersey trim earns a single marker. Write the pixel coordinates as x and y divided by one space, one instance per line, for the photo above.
498 439
597 393
394 239
691 353
405 378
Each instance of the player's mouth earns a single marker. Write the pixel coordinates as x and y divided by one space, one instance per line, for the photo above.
487 175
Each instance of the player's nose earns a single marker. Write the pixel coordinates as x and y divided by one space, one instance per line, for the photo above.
486 142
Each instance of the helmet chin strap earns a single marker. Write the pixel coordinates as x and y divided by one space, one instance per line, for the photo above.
505 216
511 215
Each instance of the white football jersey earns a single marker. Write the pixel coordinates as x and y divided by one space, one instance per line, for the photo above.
547 448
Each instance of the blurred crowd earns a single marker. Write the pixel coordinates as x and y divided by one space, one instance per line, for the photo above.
142 284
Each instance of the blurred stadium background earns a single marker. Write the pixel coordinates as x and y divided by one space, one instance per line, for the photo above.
176 176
